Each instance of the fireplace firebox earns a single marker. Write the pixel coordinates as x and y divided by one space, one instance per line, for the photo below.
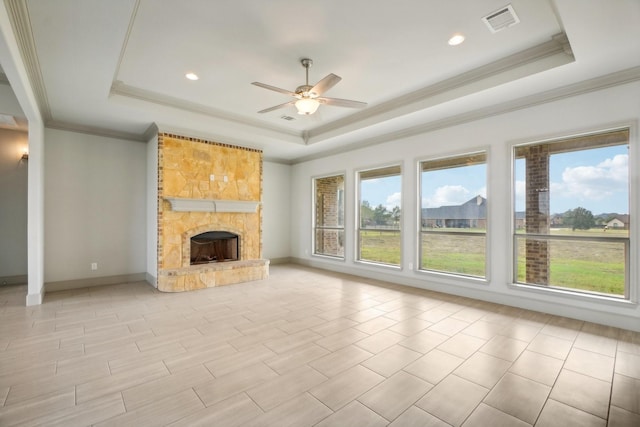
214 246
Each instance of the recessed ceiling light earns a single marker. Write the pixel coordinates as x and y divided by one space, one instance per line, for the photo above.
456 39
192 76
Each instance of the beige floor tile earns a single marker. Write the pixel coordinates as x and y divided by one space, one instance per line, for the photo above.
504 347
462 345
628 364
556 414
4 392
391 360
354 414
340 360
393 396
366 315
435 315
589 363
434 366
519 397
58 382
119 382
239 360
302 411
537 367
449 326
296 357
582 392
155 390
485 415
34 411
416 417
483 329
341 339
232 412
289 342
403 313
453 399
596 343
235 382
278 390
342 389
550 346
160 412
85 414
483 369
177 360
410 326
424 341
626 393
521 331
33 373
619 417
375 325
334 326
380 341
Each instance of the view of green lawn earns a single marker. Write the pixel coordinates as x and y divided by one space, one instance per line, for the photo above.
590 266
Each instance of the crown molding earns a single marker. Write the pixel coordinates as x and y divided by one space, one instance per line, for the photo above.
21 24
599 83
122 89
96 131
550 54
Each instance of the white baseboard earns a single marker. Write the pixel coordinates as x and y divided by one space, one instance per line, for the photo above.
94 281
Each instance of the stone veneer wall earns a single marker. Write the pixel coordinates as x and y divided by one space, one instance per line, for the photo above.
185 166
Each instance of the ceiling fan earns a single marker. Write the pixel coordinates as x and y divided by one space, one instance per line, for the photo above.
308 98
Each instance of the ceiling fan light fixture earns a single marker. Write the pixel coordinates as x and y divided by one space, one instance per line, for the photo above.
307 106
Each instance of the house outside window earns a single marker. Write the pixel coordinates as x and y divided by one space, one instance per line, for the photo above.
453 215
328 228
379 214
571 215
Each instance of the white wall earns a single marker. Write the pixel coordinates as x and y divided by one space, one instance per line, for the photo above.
13 207
152 211
276 214
95 206
588 112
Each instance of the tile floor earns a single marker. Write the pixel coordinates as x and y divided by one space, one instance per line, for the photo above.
306 347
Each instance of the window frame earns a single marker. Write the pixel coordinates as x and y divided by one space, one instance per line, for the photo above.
631 292
483 150
314 223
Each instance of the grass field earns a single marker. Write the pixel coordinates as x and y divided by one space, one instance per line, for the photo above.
589 265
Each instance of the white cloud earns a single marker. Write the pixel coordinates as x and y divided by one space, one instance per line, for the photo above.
447 195
393 200
594 182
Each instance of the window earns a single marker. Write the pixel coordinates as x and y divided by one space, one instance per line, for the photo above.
571 216
379 215
329 216
453 194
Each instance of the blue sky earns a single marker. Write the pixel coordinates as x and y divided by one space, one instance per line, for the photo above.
594 179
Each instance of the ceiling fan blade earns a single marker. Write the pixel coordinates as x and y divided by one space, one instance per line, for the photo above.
325 84
273 88
342 102
277 107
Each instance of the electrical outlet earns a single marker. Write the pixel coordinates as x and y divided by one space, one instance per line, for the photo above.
212 177
226 179
94 266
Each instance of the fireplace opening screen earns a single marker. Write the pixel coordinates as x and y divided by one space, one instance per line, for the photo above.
214 246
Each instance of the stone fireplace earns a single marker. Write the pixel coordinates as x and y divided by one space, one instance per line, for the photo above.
209 214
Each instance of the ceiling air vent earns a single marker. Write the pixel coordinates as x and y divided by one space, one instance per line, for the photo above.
501 19
287 118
